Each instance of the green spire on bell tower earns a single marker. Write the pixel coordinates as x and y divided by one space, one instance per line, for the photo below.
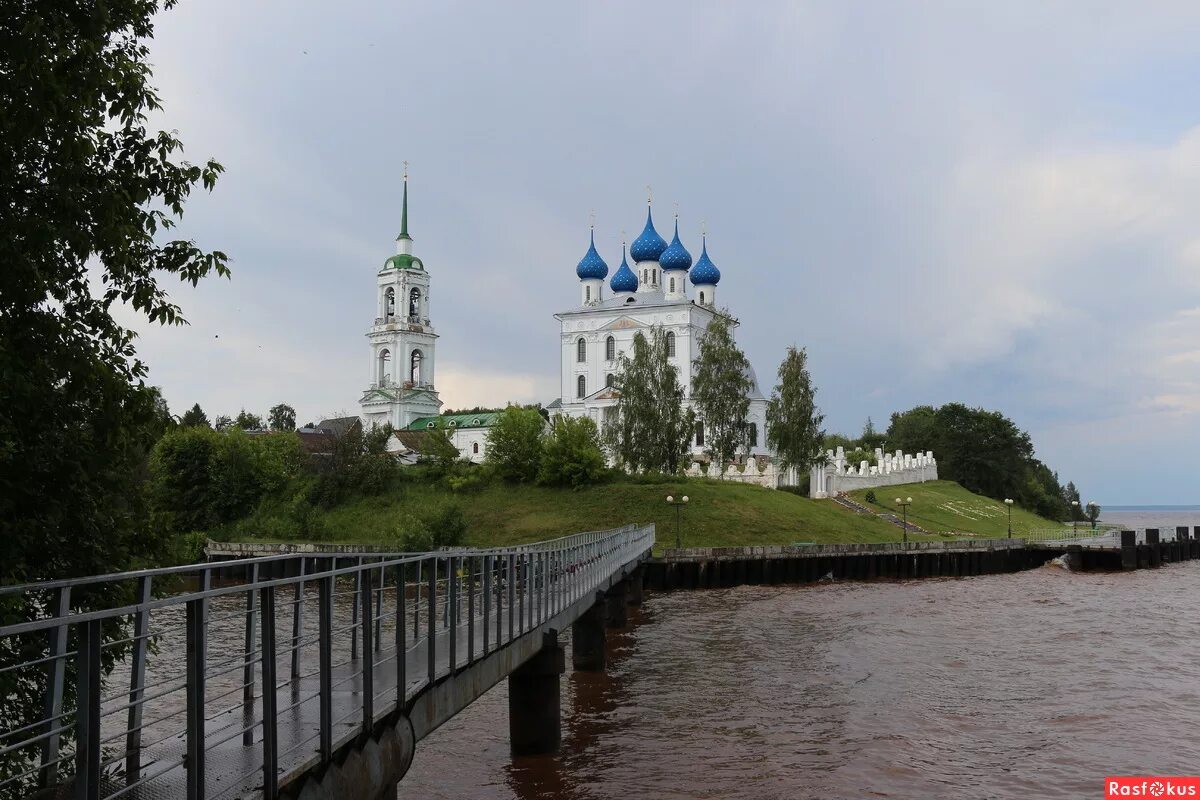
404 212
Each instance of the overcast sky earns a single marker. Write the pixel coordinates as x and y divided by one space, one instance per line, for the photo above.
997 205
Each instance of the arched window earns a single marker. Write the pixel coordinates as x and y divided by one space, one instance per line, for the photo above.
389 303
587 294
754 434
414 303
414 367
608 379
385 363
670 344
581 386
580 350
701 297
475 448
610 349
699 434
672 285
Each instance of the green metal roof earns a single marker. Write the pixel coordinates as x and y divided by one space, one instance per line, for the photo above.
403 261
485 420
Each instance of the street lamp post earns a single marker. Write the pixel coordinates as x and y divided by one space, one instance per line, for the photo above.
904 504
679 504
1008 502
1074 517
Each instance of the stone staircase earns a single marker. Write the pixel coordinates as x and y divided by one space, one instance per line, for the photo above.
858 508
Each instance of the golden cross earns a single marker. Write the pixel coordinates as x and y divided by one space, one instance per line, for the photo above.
405 170
592 215
649 194
704 227
677 209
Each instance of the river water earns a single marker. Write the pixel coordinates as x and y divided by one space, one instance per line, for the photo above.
1037 684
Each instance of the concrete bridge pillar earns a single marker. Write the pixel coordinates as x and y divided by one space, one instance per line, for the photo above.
618 609
588 637
534 720
635 587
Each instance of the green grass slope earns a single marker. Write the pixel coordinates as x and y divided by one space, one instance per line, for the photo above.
718 514
946 507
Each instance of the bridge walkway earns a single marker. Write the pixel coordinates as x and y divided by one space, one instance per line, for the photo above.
194 720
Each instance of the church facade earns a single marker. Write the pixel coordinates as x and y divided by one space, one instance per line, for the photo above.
402 340
662 288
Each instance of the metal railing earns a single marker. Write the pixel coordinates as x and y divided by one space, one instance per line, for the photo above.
208 680
1080 535
1106 535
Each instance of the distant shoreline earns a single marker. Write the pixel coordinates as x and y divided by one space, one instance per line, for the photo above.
1118 509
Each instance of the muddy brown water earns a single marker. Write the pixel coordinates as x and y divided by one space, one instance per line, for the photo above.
1037 684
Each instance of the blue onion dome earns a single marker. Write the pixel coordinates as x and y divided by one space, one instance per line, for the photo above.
705 271
592 265
649 246
676 255
624 280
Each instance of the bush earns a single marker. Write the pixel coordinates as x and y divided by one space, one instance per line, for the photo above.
571 455
467 477
188 548
870 496
181 491
514 444
796 490
441 526
857 456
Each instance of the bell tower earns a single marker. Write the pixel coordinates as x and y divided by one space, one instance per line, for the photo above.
402 340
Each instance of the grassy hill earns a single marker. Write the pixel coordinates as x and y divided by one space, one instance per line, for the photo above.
718 513
946 507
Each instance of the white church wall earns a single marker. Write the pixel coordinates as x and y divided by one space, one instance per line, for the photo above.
891 469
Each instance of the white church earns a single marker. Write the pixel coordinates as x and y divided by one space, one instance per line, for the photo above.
654 292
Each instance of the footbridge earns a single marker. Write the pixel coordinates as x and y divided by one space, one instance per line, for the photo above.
293 676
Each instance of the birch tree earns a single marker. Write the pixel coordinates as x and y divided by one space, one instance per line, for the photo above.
720 390
650 429
793 421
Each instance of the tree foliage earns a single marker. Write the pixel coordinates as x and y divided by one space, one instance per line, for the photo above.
514 444
872 438
721 391
247 421
649 428
88 197
357 462
194 417
984 451
83 184
437 448
200 478
793 421
571 455
282 417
